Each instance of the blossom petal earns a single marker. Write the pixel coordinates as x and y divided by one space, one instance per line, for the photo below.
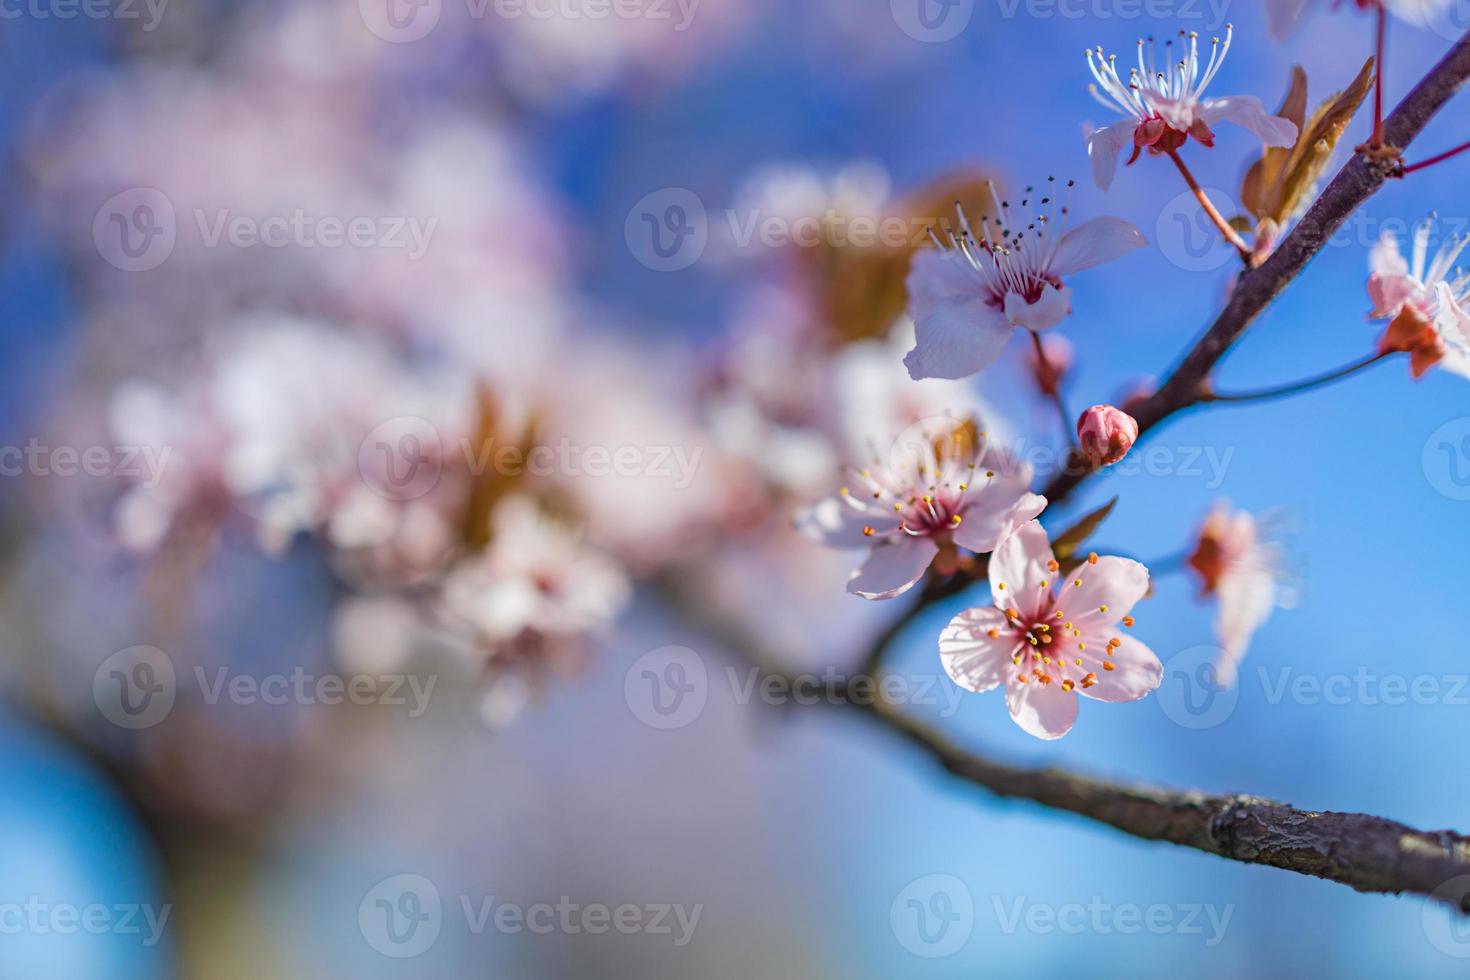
1283 16
1389 284
1247 112
1050 308
1246 597
1136 671
1095 242
955 340
937 276
1450 319
1114 583
1018 566
892 569
970 657
994 512
1043 710
1103 147
837 525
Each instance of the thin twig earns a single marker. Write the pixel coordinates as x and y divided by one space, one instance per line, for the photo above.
1437 158
1231 235
1296 387
1054 391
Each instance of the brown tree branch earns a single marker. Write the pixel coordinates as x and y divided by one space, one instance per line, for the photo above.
1256 288
1368 853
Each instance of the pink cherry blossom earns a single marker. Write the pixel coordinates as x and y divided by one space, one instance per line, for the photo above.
537 577
967 297
927 500
1242 568
1165 105
1050 637
1425 301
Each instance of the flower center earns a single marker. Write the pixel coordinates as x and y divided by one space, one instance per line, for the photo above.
1052 649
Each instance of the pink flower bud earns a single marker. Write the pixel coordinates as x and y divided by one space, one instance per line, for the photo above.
1106 434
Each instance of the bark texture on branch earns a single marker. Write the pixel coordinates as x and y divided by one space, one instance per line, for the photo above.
1256 288
1368 853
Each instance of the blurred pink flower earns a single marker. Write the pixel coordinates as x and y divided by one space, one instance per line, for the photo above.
1244 572
536 576
1283 17
1047 647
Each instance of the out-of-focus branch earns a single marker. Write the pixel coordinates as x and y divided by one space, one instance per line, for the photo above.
1358 179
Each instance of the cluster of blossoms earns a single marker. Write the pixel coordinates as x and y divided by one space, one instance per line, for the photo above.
937 512
314 414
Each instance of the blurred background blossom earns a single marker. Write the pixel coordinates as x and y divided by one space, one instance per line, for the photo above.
413 470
